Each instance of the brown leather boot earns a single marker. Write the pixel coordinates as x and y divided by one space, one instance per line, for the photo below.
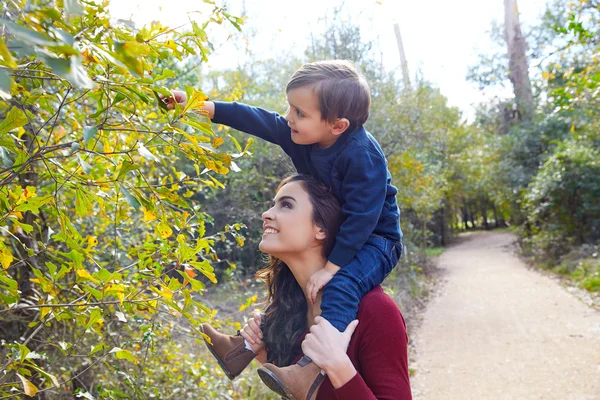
300 381
229 351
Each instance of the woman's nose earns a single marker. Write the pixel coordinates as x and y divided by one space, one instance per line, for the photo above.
268 215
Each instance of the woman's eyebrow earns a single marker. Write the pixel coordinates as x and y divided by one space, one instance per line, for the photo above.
282 198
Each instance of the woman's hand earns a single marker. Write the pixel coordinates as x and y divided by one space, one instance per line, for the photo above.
327 347
252 333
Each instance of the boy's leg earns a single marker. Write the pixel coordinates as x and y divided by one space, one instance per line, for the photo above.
231 352
367 269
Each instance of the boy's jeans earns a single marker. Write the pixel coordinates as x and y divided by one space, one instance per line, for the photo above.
369 267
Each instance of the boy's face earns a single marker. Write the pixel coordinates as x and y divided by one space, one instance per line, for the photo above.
304 119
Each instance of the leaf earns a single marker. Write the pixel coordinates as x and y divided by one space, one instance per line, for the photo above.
87 168
120 316
217 142
70 69
196 100
7 161
127 166
73 7
88 133
205 268
5 84
164 230
124 355
146 153
82 273
97 348
148 215
129 53
14 119
6 257
133 202
47 375
85 395
29 36
28 387
95 316
6 56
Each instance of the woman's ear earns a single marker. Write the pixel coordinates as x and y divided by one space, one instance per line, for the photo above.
320 235
340 126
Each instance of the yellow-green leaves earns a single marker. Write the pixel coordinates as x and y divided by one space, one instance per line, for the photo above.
124 355
88 133
14 118
29 388
131 54
6 256
195 100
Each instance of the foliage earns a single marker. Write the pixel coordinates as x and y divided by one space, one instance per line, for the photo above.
545 171
100 238
562 200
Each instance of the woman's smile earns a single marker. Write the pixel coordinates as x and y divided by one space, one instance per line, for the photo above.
269 231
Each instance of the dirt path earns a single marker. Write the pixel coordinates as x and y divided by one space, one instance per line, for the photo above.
497 330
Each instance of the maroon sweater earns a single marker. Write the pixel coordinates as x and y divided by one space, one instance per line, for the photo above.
378 351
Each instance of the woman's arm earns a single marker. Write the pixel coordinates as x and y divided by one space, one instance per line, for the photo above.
327 347
382 352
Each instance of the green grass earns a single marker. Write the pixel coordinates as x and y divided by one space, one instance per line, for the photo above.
435 251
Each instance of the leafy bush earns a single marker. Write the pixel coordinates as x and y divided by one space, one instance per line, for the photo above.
562 200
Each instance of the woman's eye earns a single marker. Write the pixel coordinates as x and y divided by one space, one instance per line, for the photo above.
285 204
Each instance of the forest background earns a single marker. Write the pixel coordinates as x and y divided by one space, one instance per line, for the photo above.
125 225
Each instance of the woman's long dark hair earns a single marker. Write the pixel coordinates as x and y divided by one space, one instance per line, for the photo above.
285 314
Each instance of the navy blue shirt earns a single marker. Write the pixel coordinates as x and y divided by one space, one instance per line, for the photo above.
354 168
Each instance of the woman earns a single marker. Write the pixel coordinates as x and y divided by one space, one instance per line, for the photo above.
369 360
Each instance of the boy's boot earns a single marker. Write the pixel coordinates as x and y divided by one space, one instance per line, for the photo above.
300 381
230 351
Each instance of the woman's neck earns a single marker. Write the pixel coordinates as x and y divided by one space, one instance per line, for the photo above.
303 266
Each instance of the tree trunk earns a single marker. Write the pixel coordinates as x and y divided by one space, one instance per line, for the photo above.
518 68
484 214
404 63
442 227
472 216
496 217
465 216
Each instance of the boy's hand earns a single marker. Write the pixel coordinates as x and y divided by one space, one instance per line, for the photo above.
319 279
252 332
177 96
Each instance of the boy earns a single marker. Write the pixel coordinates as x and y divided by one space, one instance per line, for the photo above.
324 136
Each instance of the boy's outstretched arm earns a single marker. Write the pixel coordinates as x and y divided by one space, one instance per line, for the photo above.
255 121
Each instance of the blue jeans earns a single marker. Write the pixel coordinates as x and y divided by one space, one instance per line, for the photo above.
369 267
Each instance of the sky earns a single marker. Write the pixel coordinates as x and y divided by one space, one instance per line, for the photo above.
441 37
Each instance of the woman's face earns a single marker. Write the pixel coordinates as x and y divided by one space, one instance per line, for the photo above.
288 226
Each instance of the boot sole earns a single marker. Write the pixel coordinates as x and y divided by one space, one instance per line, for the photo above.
212 351
273 383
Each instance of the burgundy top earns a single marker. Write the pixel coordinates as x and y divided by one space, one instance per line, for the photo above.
379 352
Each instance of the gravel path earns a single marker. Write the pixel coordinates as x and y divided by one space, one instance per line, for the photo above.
498 330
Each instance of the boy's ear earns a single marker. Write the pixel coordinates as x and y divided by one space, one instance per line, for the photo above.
340 126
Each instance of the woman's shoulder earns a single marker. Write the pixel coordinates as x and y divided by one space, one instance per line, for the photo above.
377 306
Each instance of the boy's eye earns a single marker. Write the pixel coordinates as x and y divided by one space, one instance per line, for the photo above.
299 113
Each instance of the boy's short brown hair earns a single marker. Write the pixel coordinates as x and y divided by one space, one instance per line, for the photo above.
342 91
